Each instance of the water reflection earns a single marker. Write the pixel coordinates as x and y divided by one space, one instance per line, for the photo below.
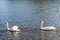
15 33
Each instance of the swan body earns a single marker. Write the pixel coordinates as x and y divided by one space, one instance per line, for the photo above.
13 29
47 28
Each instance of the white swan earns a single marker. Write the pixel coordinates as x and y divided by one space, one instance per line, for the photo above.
47 28
13 29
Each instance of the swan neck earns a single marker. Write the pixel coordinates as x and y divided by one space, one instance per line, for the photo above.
7 26
41 24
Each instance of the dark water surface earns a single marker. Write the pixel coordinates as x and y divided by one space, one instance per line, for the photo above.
28 14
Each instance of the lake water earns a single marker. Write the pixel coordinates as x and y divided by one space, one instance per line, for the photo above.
28 14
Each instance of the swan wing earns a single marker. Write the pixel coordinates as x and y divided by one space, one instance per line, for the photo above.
49 27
